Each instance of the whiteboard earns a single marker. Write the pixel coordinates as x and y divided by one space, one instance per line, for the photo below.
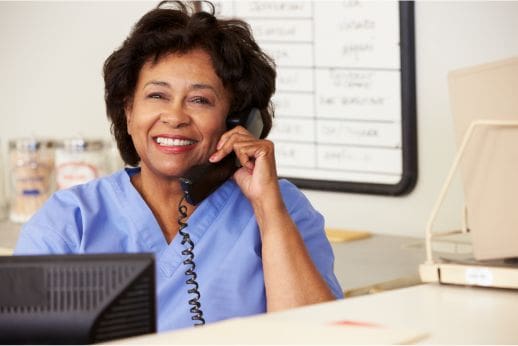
345 116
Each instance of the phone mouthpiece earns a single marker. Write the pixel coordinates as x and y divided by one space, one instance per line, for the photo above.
201 180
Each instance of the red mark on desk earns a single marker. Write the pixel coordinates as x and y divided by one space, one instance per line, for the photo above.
350 323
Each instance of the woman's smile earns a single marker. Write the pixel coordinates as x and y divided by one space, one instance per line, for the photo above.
174 144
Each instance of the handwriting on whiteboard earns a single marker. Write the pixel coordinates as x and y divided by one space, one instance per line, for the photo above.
338 98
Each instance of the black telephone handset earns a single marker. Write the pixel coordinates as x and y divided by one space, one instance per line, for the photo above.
201 180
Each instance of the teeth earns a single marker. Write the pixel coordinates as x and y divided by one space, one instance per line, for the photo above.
170 142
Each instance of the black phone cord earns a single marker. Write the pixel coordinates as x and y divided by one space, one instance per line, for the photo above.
189 262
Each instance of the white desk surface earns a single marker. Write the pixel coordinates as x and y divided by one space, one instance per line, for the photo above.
428 313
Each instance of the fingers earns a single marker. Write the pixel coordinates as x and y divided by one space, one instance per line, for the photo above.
226 145
246 147
248 152
239 131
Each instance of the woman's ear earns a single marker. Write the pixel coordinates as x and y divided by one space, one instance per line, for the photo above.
128 111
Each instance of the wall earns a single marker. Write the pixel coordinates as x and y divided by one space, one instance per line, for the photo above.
449 35
51 85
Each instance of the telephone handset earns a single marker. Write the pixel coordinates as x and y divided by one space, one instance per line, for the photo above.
201 180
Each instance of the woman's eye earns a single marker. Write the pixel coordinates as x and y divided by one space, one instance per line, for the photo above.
156 96
200 100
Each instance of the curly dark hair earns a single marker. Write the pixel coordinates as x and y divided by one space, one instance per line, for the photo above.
173 27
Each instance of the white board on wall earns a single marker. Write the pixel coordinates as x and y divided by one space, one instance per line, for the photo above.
345 99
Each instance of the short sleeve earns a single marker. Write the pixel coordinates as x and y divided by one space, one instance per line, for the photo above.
311 226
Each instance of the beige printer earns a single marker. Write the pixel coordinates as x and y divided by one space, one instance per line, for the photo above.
489 168
484 103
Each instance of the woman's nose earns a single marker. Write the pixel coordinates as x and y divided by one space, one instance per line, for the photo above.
175 117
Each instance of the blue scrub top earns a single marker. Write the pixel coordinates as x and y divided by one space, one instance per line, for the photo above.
108 215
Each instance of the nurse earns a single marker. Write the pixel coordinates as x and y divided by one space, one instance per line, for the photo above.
258 244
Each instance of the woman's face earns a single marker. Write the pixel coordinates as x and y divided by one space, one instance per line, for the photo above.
178 113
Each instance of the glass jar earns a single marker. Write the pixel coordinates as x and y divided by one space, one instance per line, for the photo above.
3 183
78 160
31 176
114 158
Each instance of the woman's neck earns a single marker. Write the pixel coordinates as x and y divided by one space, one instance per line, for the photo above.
163 197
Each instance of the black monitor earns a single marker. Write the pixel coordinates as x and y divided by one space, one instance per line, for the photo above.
76 299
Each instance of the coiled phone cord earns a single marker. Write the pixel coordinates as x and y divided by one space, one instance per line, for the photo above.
189 262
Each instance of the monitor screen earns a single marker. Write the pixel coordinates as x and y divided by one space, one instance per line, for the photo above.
76 299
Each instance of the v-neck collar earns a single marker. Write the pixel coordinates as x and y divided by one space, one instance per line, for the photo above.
148 230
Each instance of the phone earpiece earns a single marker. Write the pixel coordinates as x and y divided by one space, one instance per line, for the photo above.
233 122
202 180
253 122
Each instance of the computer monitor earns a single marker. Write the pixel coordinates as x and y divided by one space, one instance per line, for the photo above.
76 299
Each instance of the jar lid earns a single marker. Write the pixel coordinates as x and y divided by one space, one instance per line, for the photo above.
30 144
81 144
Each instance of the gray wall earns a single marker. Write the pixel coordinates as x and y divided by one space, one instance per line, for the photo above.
51 85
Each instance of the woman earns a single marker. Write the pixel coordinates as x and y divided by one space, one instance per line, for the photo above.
259 244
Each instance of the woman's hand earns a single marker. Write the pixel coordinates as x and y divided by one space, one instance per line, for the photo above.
290 276
257 177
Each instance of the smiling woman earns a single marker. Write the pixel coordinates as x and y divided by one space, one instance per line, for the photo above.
170 90
177 113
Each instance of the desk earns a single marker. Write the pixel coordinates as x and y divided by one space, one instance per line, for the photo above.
378 263
437 314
